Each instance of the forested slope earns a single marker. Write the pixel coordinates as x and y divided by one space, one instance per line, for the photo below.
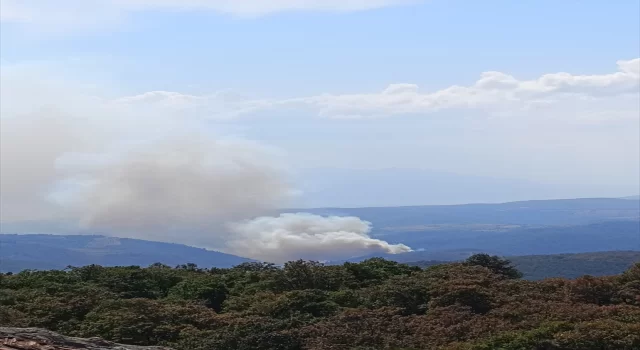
536 267
45 252
376 304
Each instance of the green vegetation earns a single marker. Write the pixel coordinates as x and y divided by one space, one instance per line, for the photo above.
376 304
537 267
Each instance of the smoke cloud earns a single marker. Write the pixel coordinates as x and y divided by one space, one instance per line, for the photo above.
27 165
181 189
308 236
106 167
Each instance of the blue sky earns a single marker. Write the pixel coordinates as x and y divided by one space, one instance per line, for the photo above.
430 43
337 84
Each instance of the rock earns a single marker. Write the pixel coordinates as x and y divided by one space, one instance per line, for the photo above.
42 339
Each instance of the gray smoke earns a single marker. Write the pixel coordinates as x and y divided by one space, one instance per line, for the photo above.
29 147
116 170
182 188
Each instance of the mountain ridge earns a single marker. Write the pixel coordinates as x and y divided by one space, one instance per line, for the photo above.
59 251
537 267
447 232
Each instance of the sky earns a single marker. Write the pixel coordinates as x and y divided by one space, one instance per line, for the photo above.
533 92
345 54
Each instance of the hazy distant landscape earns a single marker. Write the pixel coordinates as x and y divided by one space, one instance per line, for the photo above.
538 267
435 233
319 175
46 252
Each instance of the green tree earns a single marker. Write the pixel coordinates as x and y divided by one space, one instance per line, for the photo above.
210 290
494 263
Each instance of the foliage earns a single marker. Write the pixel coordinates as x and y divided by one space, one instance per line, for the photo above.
478 304
494 263
537 267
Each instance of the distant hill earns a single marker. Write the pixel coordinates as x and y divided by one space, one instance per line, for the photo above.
451 242
578 211
440 232
47 252
44 252
441 243
448 232
437 256
536 212
536 267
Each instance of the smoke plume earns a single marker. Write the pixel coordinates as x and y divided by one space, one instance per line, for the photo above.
182 188
302 235
109 168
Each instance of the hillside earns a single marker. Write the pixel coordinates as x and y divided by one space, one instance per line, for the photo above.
480 304
43 252
579 211
434 232
447 242
537 267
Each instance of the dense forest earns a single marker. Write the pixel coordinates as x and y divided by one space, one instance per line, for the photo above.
481 303
537 267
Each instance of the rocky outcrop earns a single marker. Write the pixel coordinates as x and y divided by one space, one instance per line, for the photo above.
42 339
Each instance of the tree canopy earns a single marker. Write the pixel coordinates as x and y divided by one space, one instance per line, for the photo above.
480 303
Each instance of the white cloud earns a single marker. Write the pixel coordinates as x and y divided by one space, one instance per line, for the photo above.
66 15
259 8
567 97
495 92
220 105
294 236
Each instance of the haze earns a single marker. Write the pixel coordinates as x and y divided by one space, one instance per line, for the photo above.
198 121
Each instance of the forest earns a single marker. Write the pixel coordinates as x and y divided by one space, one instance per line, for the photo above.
481 303
537 267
